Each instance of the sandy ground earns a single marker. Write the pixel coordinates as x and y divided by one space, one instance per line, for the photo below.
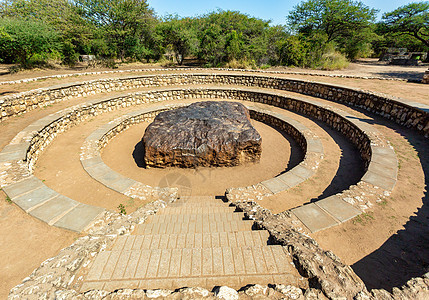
370 67
25 243
383 246
60 168
331 177
201 181
389 244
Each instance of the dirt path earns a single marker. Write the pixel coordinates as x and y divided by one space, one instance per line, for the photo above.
370 67
25 243
386 246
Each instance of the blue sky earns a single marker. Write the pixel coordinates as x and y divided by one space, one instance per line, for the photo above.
275 10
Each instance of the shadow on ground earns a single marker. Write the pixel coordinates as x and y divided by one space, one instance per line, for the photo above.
350 169
413 76
138 155
406 253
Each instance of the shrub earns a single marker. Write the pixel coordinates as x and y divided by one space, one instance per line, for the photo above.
333 61
293 52
26 42
240 64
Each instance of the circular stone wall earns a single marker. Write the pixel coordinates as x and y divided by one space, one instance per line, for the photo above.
121 152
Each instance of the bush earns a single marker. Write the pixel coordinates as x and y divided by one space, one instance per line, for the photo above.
333 61
240 64
27 42
293 52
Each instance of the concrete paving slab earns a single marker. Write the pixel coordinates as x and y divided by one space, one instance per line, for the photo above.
314 217
79 217
21 147
383 170
275 185
120 185
314 146
54 208
88 163
35 197
290 179
24 186
12 156
383 151
49 119
338 208
99 170
379 180
302 172
96 135
385 160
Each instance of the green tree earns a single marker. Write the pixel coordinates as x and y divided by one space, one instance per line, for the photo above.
180 34
339 20
128 25
21 40
75 32
231 35
411 20
292 52
276 37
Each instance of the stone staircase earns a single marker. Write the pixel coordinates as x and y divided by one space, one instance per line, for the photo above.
196 241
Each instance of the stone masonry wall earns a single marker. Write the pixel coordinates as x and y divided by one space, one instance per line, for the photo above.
82 112
426 77
279 124
393 109
324 269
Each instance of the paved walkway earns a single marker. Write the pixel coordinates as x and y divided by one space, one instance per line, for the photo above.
197 241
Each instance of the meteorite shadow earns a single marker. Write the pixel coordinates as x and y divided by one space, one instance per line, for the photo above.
138 155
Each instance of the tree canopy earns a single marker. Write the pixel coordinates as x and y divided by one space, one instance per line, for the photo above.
411 19
318 33
180 34
335 18
340 20
21 39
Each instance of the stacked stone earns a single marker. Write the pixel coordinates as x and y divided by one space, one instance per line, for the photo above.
426 77
410 115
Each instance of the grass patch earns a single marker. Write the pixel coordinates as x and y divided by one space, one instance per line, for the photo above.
363 218
8 200
334 61
122 209
382 203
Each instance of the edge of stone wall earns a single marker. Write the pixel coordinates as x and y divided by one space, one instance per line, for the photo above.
344 280
363 137
201 69
403 112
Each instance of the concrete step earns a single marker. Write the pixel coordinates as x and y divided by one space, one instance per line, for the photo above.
192 240
200 199
186 218
205 267
190 227
198 204
196 210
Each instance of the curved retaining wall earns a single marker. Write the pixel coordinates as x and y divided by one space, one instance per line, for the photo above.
305 107
199 69
405 113
92 163
323 269
381 173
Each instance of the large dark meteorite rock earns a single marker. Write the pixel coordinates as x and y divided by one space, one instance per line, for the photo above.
202 134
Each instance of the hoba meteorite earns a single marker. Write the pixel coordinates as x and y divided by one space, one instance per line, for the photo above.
210 133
